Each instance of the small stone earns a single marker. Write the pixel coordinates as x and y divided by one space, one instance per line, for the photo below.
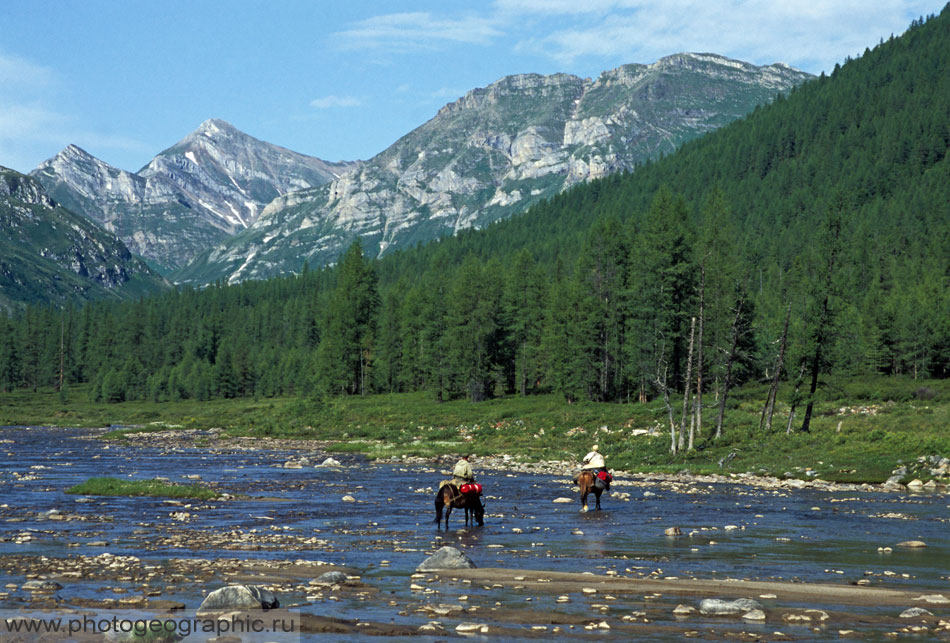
41 586
331 578
673 531
912 543
754 615
348 498
683 610
562 500
935 599
718 607
913 612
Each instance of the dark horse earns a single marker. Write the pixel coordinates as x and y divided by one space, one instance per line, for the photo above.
585 480
449 496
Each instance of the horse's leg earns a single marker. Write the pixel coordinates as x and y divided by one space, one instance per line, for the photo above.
584 492
597 493
448 512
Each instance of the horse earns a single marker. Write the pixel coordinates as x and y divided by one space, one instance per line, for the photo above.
449 496
585 480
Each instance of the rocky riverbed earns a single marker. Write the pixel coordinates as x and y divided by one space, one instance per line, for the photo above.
817 561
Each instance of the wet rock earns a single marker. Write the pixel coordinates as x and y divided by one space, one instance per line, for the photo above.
332 578
914 612
562 500
936 599
683 610
754 615
446 558
329 462
239 597
673 531
41 586
719 607
348 498
912 543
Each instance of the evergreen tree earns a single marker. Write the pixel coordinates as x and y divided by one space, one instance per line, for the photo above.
346 347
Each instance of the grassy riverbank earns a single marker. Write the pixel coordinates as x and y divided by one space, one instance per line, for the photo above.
862 430
151 487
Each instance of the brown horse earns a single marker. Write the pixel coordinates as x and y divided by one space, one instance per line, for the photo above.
585 480
449 496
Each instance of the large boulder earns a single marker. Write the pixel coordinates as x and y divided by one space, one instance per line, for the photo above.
446 558
719 607
239 597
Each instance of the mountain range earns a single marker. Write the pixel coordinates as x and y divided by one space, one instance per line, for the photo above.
222 205
203 189
493 153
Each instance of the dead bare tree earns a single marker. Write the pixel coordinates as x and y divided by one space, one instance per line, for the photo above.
730 360
660 383
699 358
687 384
769 408
795 398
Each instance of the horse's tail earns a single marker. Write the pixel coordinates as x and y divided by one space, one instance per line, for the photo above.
439 504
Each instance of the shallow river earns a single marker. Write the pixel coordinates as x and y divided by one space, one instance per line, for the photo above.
825 537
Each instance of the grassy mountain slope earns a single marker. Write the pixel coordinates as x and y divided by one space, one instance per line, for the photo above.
51 255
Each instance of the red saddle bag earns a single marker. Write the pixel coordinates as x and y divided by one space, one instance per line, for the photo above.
472 487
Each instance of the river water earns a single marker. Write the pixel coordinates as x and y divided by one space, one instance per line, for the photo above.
736 531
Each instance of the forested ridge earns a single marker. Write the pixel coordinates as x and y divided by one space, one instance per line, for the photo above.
810 237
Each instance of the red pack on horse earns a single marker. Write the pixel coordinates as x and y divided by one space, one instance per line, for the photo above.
450 496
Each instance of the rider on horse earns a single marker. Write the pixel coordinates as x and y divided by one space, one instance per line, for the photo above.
593 462
462 473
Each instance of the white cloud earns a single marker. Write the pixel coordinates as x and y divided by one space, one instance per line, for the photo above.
449 93
415 31
812 35
21 72
563 7
335 101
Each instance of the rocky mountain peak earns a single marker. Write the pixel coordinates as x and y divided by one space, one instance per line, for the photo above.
23 188
210 184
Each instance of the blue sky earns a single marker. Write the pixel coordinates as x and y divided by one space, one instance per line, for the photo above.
124 79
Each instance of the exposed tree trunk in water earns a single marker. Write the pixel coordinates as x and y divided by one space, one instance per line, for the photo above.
730 360
687 384
769 407
699 359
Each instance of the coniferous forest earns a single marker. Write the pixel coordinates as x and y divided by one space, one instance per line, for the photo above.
811 237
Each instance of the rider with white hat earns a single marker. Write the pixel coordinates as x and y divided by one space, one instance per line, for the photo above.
594 460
